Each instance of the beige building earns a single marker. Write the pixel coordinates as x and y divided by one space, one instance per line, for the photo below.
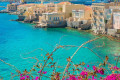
59 6
52 17
80 18
52 20
34 11
67 9
11 7
50 7
83 14
23 7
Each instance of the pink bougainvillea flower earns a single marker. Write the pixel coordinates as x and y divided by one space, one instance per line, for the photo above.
79 78
66 70
39 71
113 77
92 77
63 78
37 78
72 77
85 68
115 68
44 72
27 76
20 75
101 71
84 73
87 65
100 77
94 68
22 78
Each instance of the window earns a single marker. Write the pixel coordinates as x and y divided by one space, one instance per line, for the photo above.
50 18
61 18
54 18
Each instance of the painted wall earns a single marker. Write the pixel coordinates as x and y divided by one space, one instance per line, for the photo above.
116 20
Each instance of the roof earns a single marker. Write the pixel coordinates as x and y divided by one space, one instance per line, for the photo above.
62 3
26 5
88 8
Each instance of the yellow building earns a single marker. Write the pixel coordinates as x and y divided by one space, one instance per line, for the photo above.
23 7
34 11
50 7
52 20
11 7
67 9
52 17
59 6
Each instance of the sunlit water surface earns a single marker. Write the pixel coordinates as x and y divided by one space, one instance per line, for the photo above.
17 39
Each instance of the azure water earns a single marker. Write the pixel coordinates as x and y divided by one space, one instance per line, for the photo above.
17 39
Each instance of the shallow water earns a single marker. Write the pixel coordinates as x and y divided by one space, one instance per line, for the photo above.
18 38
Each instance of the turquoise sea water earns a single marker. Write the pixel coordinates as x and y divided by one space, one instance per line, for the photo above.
18 38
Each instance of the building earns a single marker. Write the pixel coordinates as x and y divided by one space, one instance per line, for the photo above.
98 24
78 14
59 6
34 12
50 7
101 17
81 18
23 8
116 20
115 30
52 20
11 7
67 9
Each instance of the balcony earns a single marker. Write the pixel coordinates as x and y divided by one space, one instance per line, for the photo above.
101 11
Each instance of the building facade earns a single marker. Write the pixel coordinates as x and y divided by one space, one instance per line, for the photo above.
11 7
78 13
52 20
81 18
98 18
116 20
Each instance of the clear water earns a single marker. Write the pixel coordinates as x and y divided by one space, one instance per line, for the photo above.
18 38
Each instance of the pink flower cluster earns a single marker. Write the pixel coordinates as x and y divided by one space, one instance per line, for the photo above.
37 78
101 70
24 77
84 74
115 68
92 78
44 72
72 77
113 77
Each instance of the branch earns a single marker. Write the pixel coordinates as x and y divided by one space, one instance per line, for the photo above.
77 51
11 66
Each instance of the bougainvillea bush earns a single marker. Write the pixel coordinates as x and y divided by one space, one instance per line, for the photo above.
71 71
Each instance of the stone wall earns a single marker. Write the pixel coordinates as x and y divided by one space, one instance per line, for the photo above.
79 24
111 32
56 24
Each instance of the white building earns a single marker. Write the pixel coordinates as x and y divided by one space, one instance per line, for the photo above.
116 20
78 14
